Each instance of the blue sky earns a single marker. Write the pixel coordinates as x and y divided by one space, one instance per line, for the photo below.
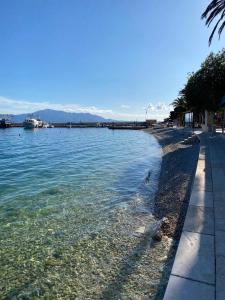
108 57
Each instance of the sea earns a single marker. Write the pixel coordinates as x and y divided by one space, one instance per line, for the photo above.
74 203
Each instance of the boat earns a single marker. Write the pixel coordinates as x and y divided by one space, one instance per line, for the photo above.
45 125
31 123
41 123
5 123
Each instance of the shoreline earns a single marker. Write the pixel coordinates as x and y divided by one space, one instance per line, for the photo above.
125 263
177 173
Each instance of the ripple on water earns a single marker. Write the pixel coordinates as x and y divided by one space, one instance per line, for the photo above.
71 201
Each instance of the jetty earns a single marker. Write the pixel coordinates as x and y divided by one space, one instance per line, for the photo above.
132 127
110 125
199 268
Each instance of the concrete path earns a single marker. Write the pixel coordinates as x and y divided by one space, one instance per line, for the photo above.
199 267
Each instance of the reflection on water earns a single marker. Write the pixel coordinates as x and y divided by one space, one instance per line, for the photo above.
70 201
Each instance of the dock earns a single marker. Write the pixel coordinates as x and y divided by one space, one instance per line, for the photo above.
127 127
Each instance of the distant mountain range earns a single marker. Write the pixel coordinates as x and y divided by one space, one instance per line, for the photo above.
55 116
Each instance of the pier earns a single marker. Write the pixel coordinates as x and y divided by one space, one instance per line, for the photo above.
110 125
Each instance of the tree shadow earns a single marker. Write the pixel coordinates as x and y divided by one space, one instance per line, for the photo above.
126 268
130 262
180 207
168 136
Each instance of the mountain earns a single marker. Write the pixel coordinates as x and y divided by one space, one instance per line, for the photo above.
55 116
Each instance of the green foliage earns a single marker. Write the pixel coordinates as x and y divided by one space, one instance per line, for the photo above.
205 88
215 9
180 107
180 104
173 115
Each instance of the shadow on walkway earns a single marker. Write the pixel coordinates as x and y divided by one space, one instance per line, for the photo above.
173 197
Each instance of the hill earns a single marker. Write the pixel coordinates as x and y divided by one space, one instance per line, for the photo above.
55 116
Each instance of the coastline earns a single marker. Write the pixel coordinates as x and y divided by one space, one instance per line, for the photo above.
177 172
134 265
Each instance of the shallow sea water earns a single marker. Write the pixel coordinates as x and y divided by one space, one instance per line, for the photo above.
71 201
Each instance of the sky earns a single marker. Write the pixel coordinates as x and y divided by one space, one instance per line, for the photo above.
113 58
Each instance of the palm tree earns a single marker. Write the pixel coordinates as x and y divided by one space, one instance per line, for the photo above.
180 104
215 9
180 107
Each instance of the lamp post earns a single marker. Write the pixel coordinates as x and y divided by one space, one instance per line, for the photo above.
146 113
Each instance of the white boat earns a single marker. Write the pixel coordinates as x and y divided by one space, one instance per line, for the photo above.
45 125
32 123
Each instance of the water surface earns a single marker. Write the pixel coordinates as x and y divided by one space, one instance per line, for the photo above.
70 202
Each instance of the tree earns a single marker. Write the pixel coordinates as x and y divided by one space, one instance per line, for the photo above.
206 87
180 107
180 104
173 116
216 9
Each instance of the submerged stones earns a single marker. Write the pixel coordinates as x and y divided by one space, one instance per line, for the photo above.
140 229
154 231
158 236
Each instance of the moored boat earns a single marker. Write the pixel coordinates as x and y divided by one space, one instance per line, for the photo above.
45 125
5 123
31 123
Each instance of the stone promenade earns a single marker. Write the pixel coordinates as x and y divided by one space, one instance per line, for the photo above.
199 267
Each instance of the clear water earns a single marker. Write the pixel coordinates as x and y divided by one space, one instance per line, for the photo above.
70 202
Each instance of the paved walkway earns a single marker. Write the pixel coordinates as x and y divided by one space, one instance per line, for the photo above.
199 267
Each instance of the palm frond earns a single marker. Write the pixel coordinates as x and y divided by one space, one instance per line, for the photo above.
221 28
214 29
215 9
